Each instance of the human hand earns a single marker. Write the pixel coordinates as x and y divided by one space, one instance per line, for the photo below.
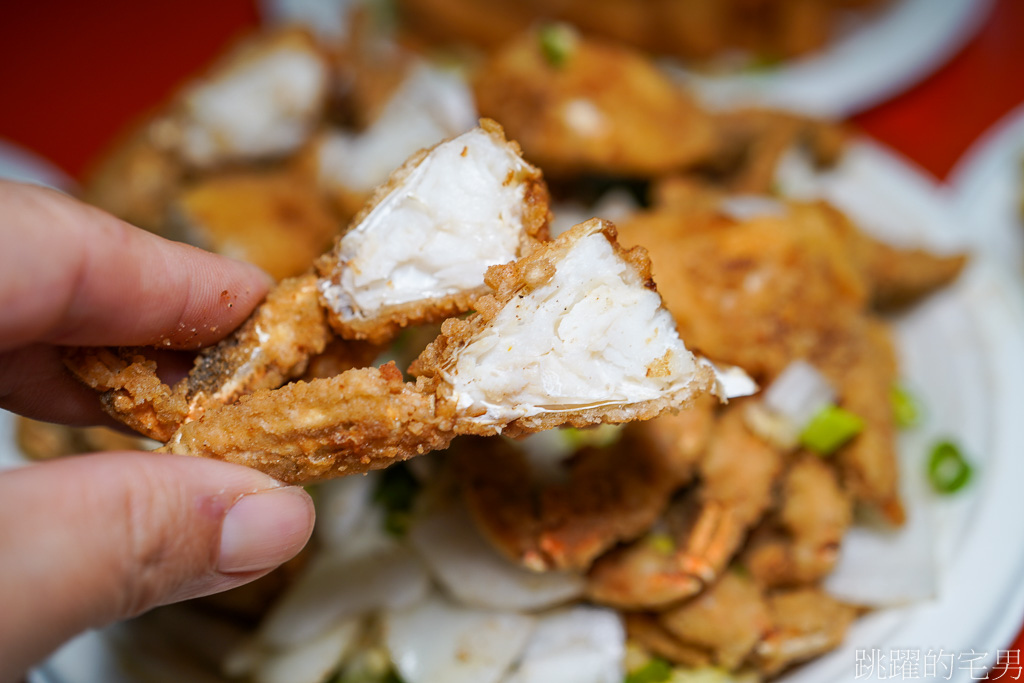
93 539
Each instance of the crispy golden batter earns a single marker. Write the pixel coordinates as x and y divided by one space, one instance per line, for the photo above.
605 110
368 418
354 422
611 494
801 542
806 622
271 347
690 29
737 473
271 219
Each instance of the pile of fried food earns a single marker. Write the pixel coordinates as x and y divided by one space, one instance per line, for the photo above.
686 536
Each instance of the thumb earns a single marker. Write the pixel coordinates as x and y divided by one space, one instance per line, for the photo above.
89 540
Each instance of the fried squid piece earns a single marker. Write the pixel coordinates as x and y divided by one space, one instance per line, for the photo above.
418 251
604 109
574 333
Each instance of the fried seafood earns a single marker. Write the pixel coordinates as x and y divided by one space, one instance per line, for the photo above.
735 624
604 110
690 29
260 102
800 543
762 291
271 219
737 474
608 494
418 251
291 326
610 354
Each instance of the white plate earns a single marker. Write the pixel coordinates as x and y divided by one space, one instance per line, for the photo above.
871 60
867 64
17 163
961 353
987 188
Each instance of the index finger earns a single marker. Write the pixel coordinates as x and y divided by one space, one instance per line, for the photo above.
73 274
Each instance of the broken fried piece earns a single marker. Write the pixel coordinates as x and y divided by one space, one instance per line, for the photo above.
418 251
574 334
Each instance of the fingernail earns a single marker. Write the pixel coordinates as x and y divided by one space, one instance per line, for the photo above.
264 529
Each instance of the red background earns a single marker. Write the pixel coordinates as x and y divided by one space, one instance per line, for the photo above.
73 74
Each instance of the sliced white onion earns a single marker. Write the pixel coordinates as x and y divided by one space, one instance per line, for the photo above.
575 645
743 207
439 641
731 381
474 573
799 393
375 573
311 661
340 505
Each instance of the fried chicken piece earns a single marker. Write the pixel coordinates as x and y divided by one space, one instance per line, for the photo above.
418 251
604 110
45 440
271 219
612 356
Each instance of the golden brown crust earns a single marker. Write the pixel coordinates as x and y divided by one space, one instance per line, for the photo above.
605 110
385 325
358 421
507 282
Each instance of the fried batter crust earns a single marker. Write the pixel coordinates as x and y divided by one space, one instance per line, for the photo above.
360 420
130 390
390 320
273 346
605 110
507 281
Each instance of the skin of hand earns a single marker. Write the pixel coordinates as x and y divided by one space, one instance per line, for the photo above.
93 539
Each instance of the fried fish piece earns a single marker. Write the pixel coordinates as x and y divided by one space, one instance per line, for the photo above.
573 334
604 110
418 251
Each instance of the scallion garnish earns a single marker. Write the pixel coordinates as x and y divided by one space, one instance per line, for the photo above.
556 43
906 410
948 471
830 429
654 671
396 493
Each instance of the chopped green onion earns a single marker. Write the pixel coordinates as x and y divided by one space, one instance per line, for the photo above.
948 471
556 43
597 437
906 410
654 671
662 543
396 493
829 429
